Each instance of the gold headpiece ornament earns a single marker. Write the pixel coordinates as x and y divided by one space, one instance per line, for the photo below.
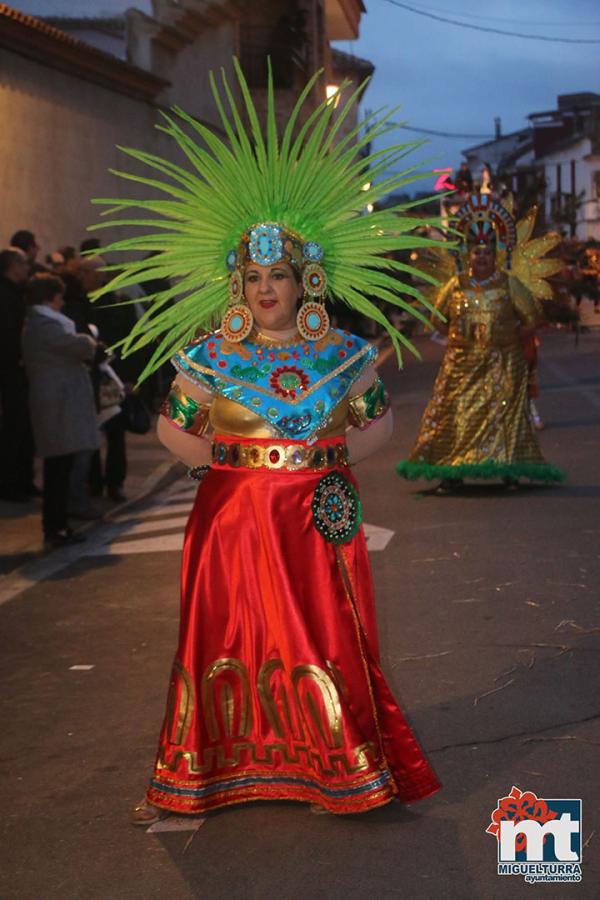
488 221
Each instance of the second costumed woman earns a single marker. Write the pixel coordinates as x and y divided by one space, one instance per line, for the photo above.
478 423
276 689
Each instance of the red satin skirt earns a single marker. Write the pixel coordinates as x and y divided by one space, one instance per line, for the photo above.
276 691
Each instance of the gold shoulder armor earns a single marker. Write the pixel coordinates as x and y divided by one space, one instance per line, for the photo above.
184 412
368 407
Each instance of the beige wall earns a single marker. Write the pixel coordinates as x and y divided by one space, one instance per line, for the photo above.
58 137
188 70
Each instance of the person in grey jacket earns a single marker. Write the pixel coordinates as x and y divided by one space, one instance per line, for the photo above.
63 412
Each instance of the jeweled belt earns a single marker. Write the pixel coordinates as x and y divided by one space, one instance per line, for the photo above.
292 456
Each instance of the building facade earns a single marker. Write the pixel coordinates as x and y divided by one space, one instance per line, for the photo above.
74 88
555 162
572 187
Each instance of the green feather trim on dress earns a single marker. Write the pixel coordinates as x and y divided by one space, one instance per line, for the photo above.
486 471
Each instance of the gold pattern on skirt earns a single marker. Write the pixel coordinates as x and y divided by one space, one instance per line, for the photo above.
181 679
247 752
212 686
303 709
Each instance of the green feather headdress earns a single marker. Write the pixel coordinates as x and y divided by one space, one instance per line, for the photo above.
310 179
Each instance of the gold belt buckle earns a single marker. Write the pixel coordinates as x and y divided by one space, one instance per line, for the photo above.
317 458
274 456
254 456
341 455
296 457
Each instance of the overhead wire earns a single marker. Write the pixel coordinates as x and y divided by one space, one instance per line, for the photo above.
488 30
519 22
446 134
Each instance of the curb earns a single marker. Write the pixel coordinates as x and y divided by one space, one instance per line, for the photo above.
47 564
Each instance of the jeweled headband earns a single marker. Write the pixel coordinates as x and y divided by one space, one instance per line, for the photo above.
484 221
268 243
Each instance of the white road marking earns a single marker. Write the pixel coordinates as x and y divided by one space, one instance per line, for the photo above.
80 668
157 510
167 512
157 525
185 492
48 565
161 543
176 823
377 538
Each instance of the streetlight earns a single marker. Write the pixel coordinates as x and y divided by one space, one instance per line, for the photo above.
332 92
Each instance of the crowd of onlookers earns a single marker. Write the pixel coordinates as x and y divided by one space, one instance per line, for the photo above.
62 394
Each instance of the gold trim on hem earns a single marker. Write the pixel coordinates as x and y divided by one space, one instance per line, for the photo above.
382 797
333 782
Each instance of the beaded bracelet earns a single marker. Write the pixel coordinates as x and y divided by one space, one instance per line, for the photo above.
197 473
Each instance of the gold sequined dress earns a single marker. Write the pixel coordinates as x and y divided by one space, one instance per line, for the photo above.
477 423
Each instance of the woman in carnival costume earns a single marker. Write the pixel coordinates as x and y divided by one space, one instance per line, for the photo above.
276 690
478 422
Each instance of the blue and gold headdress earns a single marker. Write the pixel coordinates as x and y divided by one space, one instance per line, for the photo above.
300 197
484 221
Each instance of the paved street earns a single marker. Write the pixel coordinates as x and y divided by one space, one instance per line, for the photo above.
489 614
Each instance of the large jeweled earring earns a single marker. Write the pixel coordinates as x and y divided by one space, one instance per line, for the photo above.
312 319
237 321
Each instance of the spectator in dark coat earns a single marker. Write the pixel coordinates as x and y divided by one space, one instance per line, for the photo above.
81 277
16 439
90 244
114 318
25 241
61 397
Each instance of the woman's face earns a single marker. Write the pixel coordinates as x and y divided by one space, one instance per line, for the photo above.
272 293
482 260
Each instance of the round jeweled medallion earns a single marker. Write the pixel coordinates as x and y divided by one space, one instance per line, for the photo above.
236 286
289 381
314 280
312 321
237 323
336 509
266 245
312 251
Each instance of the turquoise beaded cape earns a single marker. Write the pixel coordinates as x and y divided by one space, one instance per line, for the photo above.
293 387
